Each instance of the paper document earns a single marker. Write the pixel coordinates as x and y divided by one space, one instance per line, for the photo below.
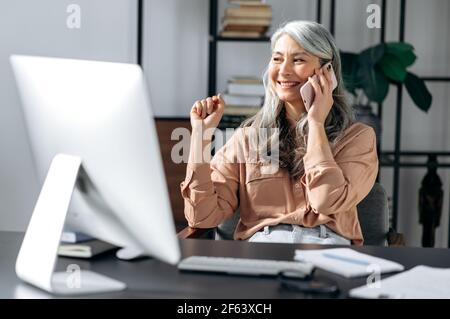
347 262
421 282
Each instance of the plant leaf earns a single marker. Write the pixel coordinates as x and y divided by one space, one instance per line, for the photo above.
418 91
372 55
374 83
403 51
393 68
349 63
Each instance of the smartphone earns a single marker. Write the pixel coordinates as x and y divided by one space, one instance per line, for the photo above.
307 90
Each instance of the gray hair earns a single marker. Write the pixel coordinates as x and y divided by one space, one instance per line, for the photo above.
318 41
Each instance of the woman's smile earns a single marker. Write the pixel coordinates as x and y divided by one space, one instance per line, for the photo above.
288 84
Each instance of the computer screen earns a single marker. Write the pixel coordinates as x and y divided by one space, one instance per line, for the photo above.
101 113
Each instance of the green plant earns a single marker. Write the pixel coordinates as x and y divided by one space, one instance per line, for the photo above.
371 71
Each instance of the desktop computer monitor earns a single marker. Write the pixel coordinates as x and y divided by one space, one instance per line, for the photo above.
100 114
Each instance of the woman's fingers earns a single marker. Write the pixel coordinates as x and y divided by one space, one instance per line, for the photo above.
221 103
204 108
209 105
197 108
327 74
316 85
322 80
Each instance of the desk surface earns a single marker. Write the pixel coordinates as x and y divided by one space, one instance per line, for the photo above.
149 278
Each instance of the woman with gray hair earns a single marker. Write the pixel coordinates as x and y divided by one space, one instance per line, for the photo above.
325 162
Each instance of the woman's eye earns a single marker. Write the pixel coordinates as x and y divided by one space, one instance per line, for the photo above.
299 60
276 59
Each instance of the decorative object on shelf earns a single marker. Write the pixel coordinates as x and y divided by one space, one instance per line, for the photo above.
250 19
369 73
430 202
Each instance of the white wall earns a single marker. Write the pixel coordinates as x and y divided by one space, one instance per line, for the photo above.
108 32
176 54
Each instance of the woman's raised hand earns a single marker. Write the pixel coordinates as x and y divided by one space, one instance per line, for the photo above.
207 113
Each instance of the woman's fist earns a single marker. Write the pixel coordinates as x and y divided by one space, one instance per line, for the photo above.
207 113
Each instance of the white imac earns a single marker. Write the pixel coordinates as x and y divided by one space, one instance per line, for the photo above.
97 156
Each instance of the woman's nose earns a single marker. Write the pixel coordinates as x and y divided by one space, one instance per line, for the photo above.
286 68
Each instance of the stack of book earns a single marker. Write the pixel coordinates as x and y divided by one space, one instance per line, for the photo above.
79 245
243 99
250 19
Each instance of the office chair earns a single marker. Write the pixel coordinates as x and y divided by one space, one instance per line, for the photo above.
373 215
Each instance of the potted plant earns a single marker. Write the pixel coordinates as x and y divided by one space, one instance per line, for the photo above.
367 76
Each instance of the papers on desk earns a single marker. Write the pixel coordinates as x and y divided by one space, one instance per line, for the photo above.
347 262
420 282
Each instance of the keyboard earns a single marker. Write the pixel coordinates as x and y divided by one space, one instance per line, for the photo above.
245 266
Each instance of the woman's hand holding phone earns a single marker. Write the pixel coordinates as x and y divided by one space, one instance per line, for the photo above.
207 113
323 84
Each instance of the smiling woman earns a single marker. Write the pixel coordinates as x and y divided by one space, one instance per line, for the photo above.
289 69
326 164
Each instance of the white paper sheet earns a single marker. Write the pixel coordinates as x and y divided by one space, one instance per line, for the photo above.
420 282
347 262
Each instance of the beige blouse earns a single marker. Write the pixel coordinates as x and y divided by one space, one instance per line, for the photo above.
328 192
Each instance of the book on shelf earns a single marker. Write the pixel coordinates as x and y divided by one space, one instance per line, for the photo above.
253 28
246 21
68 236
247 100
239 110
247 2
263 11
86 249
241 34
245 89
245 79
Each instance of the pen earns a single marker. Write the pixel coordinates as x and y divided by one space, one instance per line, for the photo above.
347 259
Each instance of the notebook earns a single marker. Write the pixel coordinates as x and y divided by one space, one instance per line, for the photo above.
86 249
347 262
74 237
420 282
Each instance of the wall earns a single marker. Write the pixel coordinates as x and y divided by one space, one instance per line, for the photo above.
108 32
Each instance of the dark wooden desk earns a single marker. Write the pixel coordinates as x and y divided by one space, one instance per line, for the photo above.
149 278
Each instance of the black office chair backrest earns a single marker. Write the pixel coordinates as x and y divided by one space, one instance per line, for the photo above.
373 215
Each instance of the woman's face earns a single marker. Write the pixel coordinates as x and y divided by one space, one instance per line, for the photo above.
289 68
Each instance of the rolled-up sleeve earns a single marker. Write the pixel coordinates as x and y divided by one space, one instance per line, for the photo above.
338 183
210 190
